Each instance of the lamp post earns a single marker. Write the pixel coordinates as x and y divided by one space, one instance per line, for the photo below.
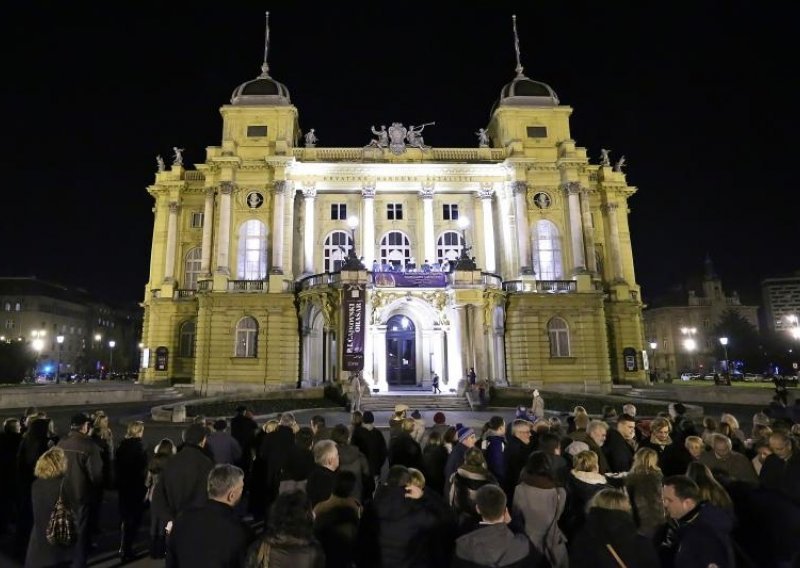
653 346
351 261
724 342
690 344
795 327
60 341
37 344
464 261
111 345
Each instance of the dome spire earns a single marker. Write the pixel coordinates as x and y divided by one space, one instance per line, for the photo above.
519 68
265 65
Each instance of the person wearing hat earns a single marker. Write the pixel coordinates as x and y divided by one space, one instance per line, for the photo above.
419 426
466 440
396 421
83 481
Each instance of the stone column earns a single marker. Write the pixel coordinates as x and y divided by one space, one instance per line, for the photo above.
610 209
485 194
572 189
368 224
309 197
429 244
588 231
278 196
523 230
208 222
172 239
224 232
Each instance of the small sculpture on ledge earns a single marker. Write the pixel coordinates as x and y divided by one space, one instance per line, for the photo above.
382 140
414 136
483 138
177 156
160 162
620 164
605 160
311 139
465 262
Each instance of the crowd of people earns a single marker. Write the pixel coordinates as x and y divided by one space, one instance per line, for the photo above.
617 491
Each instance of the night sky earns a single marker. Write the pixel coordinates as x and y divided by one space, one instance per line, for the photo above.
698 101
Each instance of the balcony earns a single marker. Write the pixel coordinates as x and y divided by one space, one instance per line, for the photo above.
248 286
542 286
324 279
184 294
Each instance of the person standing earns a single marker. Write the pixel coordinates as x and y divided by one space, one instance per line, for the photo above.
371 443
435 384
83 482
10 440
131 475
223 446
537 405
471 377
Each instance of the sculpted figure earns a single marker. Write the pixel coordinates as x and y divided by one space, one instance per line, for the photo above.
311 139
605 160
620 164
177 154
382 140
160 162
483 138
414 136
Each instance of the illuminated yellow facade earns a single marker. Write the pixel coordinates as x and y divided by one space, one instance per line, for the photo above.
246 286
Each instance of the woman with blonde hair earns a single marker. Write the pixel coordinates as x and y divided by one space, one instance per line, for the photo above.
731 421
464 484
50 470
609 536
710 488
130 469
643 484
104 438
584 481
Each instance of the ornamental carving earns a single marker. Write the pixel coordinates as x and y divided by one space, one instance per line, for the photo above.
210 191
368 190
542 200
571 187
609 207
486 190
309 190
519 187
226 187
326 301
492 299
280 186
173 207
438 301
427 190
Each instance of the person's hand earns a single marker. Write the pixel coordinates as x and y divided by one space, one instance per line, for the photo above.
413 492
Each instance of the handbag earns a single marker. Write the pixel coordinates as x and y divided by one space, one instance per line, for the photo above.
61 526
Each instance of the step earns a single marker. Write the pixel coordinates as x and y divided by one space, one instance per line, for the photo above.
421 402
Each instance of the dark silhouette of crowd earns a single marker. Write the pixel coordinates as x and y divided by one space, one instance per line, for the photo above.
614 490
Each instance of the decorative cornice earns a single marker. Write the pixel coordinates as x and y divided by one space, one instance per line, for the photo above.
427 190
486 190
609 207
226 187
309 190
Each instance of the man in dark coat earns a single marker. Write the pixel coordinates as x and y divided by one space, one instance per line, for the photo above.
212 534
621 444
518 449
182 484
371 443
10 439
82 482
274 452
466 440
781 470
323 476
403 449
244 429
131 474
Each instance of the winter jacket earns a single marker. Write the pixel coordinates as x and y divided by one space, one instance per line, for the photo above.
540 504
783 476
372 444
464 486
40 552
581 487
495 546
737 466
352 460
619 452
84 469
606 530
183 483
583 436
698 539
224 448
644 491
434 460
493 447
287 552
404 450
131 472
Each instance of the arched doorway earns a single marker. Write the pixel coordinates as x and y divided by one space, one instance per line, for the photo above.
401 351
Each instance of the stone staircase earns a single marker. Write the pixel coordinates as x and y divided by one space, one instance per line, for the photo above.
444 402
162 393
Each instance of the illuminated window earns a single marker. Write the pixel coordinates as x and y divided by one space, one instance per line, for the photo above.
395 249
191 268
547 251
336 247
558 332
448 246
252 257
246 338
450 211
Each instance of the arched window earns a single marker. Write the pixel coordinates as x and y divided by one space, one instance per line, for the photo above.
337 245
247 337
547 251
18 307
191 268
7 306
186 343
252 257
449 246
559 337
395 249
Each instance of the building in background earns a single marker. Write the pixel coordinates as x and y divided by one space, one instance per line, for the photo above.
689 315
278 263
781 297
68 327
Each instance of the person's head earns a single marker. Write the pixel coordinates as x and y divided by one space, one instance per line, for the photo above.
270 426
417 478
610 499
357 419
240 410
344 483
317 422
626 426
80 423
434 439
450 436
287 419
725 429
597 430
721 445
490 502
660 429
578 410
51 465
195 435
407 425
30 411
225 484
100 421
695 445
540 464
761 432
586 461
581 421
645 460
709 424
709 489
291 516
497 424
609 412
466 436
398 476
676 409
165 447
541 426
220 425
629 409
680 495
326 454
521 429
761 419
550 443
135 429
304 438
474 458
781 445
400 411
369 417
340 434
762 450
11 426
730 420
439 418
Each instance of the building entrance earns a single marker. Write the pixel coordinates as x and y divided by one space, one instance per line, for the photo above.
401 351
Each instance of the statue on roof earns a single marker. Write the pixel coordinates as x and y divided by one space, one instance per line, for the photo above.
605 159
160 162
311 139
414 136
382 140
483 138
620 164
177 156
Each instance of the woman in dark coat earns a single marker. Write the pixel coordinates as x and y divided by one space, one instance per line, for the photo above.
608 538
434 460
583 483
50 469
35 442
464 486
131 475
158 517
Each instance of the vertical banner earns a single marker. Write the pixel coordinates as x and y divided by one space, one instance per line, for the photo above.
353 308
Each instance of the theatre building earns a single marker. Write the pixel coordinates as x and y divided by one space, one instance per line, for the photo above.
278 263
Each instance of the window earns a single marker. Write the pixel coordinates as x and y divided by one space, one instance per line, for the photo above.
9 324
197 220
394 211
338 211
449 246
191 268
559 337
537 132
246 337
450 211
7 306
547 251
256 130
395 249
252 258
336 247
186 343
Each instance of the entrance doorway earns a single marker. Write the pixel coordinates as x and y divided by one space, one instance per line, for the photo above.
401 351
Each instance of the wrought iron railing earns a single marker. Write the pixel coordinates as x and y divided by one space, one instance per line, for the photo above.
542 286
248 285
184 293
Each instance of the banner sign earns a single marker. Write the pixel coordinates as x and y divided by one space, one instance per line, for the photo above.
353 309
409 279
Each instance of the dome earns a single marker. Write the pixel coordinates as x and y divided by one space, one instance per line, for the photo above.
527 92
263 90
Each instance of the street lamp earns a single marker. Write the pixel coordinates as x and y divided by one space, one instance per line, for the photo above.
111 345
60 341
38 345
464 262
795 329
653 346
689 343
351 261
724 342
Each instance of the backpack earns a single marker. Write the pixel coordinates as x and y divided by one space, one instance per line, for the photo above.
61 526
